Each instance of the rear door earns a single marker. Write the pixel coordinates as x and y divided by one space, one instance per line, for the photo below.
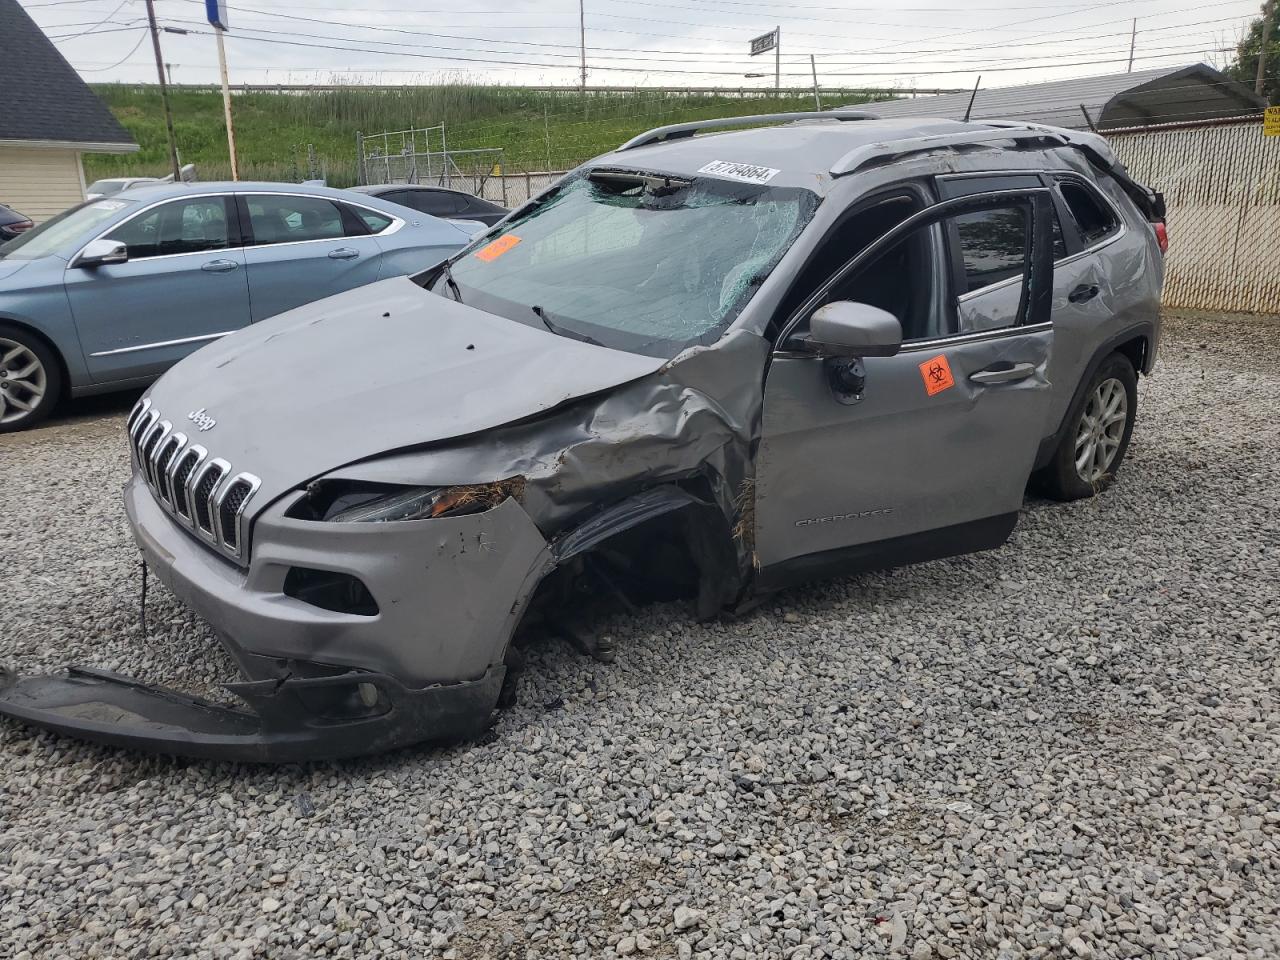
1085 301
933 457
301 248
183 285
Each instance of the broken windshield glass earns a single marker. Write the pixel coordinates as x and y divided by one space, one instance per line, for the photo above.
648 264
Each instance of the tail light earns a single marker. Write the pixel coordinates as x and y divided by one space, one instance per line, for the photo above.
1162 236
22 226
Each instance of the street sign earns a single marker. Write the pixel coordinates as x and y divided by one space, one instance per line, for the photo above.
1271 122
216 10
761 44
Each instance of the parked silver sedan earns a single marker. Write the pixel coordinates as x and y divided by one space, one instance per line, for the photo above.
113 292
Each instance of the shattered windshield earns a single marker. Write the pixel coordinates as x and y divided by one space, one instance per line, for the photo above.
644 263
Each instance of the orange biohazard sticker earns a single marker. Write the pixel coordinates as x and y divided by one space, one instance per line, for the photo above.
937 375
492 251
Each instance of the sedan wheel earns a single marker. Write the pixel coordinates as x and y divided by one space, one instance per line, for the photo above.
1101 430
23 381
30 379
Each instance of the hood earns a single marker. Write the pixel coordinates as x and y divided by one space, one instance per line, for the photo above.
370 371
10 267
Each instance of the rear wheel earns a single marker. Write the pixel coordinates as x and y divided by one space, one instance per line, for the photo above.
1097 436
30 379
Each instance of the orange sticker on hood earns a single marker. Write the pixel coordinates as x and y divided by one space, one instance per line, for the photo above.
492 251
936 374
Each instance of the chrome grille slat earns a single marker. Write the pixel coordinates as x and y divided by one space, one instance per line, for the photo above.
184 469
165 452
199 491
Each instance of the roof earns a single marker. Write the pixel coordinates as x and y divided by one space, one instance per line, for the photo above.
1143 97
803 153
44 100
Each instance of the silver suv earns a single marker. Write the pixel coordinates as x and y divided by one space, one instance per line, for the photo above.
701 365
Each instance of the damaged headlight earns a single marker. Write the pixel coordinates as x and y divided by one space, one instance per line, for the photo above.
356 502
415 503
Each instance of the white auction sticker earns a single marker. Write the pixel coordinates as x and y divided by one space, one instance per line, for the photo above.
746 172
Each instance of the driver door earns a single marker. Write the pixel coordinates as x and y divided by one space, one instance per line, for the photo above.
932 458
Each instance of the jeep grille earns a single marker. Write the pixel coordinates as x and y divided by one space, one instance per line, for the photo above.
201 492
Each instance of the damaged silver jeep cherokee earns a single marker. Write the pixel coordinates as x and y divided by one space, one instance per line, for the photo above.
701 364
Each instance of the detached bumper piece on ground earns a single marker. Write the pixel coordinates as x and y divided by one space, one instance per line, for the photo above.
292 720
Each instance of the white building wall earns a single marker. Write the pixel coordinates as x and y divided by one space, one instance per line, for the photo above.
40 181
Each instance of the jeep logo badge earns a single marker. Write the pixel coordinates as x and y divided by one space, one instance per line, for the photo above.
202 420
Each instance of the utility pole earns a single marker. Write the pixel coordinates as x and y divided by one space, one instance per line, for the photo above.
1268 14
226 102
1133 40
164 91
817 101
777 60
582 38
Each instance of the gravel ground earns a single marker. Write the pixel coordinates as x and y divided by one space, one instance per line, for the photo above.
1064 748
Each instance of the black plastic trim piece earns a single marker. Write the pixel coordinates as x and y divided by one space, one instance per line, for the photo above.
960 538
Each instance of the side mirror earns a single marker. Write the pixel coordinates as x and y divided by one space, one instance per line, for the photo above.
847 329
97 253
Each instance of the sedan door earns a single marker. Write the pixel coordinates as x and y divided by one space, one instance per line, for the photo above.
931 457
302 248
183 285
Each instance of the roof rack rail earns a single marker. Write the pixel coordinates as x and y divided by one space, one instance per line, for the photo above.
869 153
679 131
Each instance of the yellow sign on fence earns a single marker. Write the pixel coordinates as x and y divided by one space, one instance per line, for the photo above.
1271 122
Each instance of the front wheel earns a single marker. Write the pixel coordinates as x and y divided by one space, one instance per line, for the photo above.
1097 436
30 379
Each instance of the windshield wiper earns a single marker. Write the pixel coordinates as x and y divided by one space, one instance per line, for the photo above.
448 278
562 331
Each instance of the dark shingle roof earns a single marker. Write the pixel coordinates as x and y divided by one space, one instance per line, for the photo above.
43 97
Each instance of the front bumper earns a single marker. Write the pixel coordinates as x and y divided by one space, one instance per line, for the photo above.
322 683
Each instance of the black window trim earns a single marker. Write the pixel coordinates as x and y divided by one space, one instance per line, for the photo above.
918 190
1058 178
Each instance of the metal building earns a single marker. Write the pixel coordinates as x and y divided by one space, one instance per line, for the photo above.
1141 98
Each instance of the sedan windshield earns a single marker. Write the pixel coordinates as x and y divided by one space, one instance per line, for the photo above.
645 263
52 236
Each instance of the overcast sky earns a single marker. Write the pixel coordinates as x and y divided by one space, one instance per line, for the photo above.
916 43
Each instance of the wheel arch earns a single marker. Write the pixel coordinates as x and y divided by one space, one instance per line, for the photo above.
64 372
1134 344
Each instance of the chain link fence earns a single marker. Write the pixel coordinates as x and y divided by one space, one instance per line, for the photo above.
1221 183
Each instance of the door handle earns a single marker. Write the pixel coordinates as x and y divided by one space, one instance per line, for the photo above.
219 266
343 253
1009 374
1082 293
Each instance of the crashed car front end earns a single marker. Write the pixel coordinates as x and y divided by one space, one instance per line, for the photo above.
366 544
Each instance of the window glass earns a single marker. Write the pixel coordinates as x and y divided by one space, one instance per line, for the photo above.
992 245
376 222
56 234
280 219
634 262
1059 242
434 202
1093 217
900 280
182 226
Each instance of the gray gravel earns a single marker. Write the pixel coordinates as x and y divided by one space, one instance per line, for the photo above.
1064 748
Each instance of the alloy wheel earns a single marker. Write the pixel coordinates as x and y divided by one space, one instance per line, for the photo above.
23 381
1101 430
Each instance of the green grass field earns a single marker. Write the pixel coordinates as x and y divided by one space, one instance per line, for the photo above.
537 130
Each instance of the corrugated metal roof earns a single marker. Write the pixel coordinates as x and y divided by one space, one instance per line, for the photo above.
1164 95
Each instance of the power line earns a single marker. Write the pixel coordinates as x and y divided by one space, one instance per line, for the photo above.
142 36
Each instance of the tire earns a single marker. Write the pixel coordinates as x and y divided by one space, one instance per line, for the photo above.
1100 443
30 379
